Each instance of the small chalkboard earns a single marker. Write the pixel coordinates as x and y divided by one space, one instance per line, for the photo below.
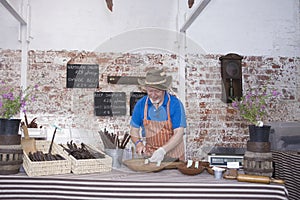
82 76
134 97
109 103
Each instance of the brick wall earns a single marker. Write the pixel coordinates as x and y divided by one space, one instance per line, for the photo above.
214 123
210 121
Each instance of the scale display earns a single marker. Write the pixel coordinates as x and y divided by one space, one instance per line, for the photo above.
221 160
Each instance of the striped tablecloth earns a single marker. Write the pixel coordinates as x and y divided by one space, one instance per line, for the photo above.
125 184
287 167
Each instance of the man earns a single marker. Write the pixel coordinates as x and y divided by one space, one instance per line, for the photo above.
161 117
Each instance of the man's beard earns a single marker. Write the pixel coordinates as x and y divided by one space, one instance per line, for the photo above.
155 102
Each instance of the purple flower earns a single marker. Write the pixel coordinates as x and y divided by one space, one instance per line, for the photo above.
248 96
253 105
23 104
12 99
275 93
9 96
234 104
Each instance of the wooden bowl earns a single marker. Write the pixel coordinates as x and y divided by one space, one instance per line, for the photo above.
190 170
204 163
210 170
140 166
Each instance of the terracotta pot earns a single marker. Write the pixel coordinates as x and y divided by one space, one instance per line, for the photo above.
259 134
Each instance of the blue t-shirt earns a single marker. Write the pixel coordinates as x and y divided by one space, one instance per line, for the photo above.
177 113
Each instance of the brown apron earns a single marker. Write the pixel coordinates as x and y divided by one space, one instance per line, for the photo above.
158 133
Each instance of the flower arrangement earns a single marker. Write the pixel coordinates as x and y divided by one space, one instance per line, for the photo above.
253 105
13 101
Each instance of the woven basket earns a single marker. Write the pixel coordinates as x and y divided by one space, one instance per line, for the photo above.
41 168
85 166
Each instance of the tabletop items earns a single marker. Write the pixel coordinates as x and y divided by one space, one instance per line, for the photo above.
43 167
140 166
86 158
28 144
41 156
50 158
29 147
32 124
113 141
114 146
81 151
218 172
193 167
83 158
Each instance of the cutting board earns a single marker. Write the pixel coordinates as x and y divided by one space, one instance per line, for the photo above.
28 144
140 166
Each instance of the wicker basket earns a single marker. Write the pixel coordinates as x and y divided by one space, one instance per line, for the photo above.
85 166
41 168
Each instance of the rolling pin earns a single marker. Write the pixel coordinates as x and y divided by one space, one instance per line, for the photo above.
258 179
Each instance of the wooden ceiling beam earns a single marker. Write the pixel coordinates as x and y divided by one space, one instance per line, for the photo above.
194 15
12 11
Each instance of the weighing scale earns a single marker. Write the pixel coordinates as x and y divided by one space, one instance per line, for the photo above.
220 156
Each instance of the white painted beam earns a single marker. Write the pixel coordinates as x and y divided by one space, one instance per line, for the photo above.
12 11
194 15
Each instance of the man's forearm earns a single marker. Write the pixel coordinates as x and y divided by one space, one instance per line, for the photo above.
136 139
135 134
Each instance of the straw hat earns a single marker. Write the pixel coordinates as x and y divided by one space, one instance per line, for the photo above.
156 78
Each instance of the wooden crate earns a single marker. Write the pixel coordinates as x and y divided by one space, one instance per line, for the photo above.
258 163
41 168
11 158
85 166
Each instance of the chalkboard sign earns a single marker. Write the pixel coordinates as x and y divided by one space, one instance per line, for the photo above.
134 97
82 76
109 103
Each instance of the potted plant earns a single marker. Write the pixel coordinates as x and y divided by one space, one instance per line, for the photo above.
12 101
253 107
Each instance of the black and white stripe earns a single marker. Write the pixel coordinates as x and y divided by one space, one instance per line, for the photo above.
287 167
134 186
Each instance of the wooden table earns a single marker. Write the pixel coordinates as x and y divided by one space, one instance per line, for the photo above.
123 183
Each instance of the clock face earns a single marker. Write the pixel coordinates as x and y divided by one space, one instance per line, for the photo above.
232 69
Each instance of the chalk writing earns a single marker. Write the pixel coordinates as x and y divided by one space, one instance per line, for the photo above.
82 76
109 103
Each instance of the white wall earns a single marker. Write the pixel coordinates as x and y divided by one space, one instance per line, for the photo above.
248 27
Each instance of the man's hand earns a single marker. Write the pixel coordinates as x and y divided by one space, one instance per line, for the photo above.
140 148
158 156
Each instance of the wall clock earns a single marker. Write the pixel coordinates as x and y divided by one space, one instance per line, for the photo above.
231 72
